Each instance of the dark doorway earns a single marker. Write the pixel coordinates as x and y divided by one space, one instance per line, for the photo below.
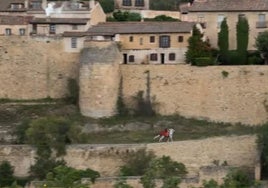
125 59
162 58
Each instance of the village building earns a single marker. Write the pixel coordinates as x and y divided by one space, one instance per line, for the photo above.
210 13
139 42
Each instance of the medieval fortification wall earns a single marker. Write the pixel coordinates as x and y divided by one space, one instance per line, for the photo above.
39 68
35 68
235 151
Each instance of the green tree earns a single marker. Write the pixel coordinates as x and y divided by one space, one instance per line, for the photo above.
197 47
172 5
223 39
6 174
107 5
64 176
261 44
242 32
163 168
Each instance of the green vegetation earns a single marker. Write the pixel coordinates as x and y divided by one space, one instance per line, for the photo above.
261 44
171 5
223 40
242 32
107 5
119 16
161 18
198 48
224 74
6 174
263 147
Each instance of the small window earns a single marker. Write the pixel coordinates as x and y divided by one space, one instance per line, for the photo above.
131 39
141 41
22 31
172 57
152 39
139 3
164 41
36 5
127 3
153 57
74 27
73 42
180 39
52 29
131 59
8 31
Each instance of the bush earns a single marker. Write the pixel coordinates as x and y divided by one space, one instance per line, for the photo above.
6 174
136 163
203 61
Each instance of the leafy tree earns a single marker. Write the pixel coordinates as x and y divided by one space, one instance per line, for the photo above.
242 32
161 18
121 183
263 147
197 47
48 133
107 5
136 163
261 44
223 39
163 168
64 176
6 174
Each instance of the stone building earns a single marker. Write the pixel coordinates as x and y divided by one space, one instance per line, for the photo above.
210 13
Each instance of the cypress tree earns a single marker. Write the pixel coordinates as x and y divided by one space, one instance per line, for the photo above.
223 37
242 31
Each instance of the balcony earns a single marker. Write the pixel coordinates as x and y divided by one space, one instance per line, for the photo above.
262 24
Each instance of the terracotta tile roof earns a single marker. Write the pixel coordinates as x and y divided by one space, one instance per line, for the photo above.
112 28
228 5
14 20
80 21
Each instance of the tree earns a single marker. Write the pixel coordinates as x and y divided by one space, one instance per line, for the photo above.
107 5
242 31
171 5
6 174
223 39
197 47
163 168
125 16
261 44
161 18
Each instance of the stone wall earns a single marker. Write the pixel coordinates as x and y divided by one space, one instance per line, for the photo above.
99 79
238 151
216 93
35 68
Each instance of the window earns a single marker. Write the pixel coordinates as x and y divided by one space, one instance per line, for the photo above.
180 38
127 3
73 42
8 31
172 57
220 19
261 21
164 41
16 6
139 3
22 31
52 29
74 27
131 58
152 39
36 5
141 41
153 57
131 39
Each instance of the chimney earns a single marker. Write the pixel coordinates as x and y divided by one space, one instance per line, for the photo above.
26 4
91 4
44 4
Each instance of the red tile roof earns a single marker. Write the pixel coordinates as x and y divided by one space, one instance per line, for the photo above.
14 20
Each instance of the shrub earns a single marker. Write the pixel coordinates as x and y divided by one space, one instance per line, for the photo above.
263 147
203 61
6 174
73 91
136 163
121 183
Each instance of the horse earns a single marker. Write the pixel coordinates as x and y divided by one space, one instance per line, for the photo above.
167 133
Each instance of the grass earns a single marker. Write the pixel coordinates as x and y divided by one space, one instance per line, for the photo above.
186 128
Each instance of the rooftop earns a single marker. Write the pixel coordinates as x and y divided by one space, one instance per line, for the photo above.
228 5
